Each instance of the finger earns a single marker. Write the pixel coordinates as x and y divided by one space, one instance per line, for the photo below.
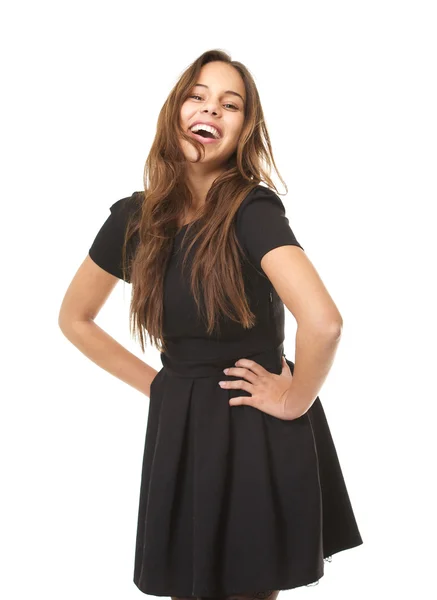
240 400
252 365
239 384
242 372
285 366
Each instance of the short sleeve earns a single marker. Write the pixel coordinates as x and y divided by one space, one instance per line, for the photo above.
262 224
106 249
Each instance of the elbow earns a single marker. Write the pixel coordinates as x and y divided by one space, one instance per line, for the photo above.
335 328
64 324
64 320
68 324
70 315
327 328
61 321
74 329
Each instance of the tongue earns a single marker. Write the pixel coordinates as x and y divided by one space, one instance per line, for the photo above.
203 133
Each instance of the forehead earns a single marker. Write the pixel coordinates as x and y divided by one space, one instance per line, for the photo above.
221 77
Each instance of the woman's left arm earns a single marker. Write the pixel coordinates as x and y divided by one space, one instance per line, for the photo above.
319 322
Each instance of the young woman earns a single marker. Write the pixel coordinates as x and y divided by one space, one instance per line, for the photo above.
242 494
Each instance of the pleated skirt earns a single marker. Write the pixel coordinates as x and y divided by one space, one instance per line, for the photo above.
233 500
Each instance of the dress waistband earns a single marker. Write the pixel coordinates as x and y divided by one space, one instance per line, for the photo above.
269 358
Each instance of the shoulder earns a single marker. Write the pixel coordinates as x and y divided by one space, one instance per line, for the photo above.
107 247
261 197
262 224
260 208
125 207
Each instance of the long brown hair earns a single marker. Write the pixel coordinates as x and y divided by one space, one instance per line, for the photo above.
216 267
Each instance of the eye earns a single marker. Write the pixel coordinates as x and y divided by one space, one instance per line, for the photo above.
227 104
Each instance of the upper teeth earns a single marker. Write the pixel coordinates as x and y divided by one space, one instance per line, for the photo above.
212 130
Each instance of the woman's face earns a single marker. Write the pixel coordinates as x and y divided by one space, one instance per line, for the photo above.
218 98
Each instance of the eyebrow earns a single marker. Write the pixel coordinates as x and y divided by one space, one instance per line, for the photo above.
226 92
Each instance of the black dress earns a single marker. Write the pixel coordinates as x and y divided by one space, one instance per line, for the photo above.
231 499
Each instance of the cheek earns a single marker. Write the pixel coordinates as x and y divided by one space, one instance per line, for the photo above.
184 115
236 133
237 127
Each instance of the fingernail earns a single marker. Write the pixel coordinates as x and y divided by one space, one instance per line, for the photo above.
222 382
225 370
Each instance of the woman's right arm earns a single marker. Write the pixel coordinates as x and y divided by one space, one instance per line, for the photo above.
85 296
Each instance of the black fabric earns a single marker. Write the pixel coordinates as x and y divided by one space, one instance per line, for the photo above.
106 249
262 224
231 499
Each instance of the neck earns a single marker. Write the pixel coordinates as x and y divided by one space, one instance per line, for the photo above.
199 180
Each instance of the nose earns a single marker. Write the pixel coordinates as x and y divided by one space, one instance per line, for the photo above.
210 105
213 112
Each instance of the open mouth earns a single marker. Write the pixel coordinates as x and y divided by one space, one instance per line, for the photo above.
205 131
206 137
204 134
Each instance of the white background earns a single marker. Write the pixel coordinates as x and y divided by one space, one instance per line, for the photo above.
349 94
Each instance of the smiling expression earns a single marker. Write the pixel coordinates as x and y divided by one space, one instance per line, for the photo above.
218 99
